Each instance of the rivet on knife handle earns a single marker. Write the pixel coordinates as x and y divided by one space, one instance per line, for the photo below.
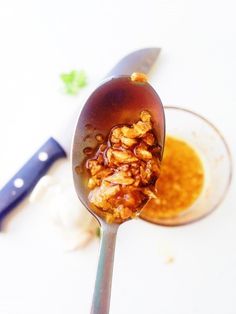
27 177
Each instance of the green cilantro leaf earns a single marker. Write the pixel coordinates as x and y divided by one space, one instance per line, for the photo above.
74 81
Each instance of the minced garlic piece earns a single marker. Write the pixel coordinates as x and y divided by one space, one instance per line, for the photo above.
139 77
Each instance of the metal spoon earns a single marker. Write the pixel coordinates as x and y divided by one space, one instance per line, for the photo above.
117 101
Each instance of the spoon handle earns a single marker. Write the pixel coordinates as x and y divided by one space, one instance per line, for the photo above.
102 290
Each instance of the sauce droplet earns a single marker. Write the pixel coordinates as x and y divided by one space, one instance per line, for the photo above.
99 138
88 151
78 169
88 136
89 126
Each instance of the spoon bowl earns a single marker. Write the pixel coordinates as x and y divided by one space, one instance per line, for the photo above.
117 101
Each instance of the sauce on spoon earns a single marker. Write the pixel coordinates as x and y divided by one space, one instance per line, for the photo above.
124 170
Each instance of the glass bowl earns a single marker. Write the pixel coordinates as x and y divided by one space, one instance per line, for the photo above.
214 152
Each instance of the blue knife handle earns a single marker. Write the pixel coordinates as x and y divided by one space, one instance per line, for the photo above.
26 178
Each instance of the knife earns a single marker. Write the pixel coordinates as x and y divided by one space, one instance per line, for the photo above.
21 184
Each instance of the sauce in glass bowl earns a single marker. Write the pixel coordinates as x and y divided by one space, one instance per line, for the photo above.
180 183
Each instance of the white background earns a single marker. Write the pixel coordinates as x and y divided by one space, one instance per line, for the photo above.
196 69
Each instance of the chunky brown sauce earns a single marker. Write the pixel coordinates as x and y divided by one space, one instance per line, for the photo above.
124 170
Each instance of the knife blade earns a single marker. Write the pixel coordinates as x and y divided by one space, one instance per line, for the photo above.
21 184
140 60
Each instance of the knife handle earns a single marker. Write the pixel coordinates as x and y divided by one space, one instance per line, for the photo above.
26 178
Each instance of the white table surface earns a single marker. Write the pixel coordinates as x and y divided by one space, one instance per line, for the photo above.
196 69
